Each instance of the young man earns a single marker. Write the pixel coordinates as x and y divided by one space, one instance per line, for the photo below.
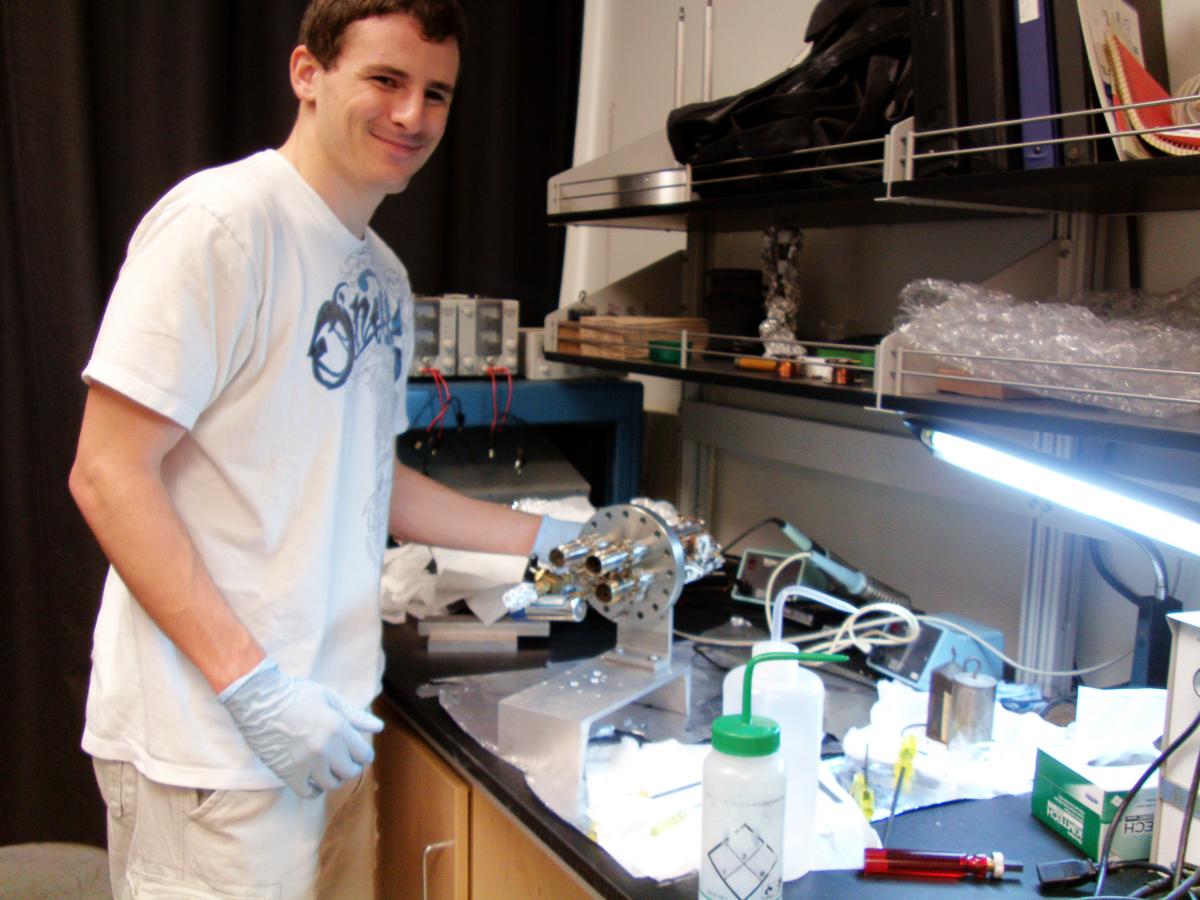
236 464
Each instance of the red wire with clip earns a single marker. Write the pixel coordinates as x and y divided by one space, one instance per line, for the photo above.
491 373
507 397
443 392
498 417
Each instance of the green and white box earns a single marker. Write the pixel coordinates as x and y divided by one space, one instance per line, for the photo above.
1079 801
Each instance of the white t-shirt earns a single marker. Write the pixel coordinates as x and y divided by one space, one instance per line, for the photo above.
250 315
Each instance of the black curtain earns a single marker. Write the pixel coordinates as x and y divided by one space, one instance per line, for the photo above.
104 104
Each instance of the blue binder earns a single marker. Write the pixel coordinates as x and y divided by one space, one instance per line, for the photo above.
1036 84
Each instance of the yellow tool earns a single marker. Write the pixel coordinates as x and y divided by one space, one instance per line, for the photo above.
860 789
902 770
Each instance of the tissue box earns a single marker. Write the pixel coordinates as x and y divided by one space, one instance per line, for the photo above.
1079 801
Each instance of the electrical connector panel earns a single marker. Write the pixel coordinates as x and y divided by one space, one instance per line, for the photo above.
487 334
435 335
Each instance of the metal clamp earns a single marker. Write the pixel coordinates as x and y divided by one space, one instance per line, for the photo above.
430 848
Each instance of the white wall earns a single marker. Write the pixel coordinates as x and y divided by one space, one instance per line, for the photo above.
942 553
627 89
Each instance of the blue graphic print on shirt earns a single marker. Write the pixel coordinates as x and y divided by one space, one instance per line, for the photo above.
347 324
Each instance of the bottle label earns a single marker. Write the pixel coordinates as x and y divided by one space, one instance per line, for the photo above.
742 848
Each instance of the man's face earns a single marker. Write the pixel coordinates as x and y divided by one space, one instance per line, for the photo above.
381 108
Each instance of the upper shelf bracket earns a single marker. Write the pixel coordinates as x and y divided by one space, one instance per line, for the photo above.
899 156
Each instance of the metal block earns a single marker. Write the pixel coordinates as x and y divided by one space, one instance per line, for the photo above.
544 729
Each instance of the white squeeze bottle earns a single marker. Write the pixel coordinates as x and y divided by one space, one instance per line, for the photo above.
793 696
742 818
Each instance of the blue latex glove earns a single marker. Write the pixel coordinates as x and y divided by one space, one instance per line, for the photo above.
553 533
304 732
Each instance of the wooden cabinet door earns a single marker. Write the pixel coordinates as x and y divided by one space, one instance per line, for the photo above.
421 803
508 864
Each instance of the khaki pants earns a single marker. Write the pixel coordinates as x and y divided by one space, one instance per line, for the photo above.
166 841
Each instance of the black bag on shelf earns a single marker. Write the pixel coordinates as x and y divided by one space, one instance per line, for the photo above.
854 84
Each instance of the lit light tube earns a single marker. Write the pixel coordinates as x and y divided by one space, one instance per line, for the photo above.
1073 486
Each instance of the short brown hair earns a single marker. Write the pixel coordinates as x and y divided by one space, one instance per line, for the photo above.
326 21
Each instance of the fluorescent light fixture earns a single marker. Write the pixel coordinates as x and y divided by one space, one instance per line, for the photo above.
1160 516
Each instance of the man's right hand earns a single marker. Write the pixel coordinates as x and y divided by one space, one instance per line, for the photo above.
304 732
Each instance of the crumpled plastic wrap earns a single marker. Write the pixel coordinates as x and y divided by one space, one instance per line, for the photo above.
781 277
1124 329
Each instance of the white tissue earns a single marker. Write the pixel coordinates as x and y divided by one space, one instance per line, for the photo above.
1003 765
406 584
1141 713
644 805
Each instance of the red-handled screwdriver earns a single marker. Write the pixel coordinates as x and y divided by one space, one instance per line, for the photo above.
933 864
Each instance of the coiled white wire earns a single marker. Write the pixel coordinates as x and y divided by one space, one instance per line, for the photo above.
861 632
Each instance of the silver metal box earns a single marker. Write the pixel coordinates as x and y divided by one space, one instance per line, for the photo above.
435 335
487 334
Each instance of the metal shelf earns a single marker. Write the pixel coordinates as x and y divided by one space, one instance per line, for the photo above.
742 195
907 176
1106 188
1178 432
725 374
769 202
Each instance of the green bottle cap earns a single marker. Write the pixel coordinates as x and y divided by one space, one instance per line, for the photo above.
734 736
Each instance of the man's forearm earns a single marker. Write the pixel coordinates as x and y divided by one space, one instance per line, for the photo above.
430 513
117 484
147 545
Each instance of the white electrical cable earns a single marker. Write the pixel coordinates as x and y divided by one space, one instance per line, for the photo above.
729 642
1012 662
767 598
853 632
807 593
872 635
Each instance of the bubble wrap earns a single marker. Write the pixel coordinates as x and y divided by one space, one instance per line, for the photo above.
781 278
1114 329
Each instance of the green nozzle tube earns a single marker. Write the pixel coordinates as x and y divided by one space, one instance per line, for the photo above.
770 657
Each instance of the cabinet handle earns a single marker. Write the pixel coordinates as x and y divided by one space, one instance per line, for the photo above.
430 848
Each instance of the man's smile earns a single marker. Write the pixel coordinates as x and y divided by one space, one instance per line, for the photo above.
401 147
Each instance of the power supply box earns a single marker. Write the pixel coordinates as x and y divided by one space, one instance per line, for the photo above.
487 334
461 335
435 335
